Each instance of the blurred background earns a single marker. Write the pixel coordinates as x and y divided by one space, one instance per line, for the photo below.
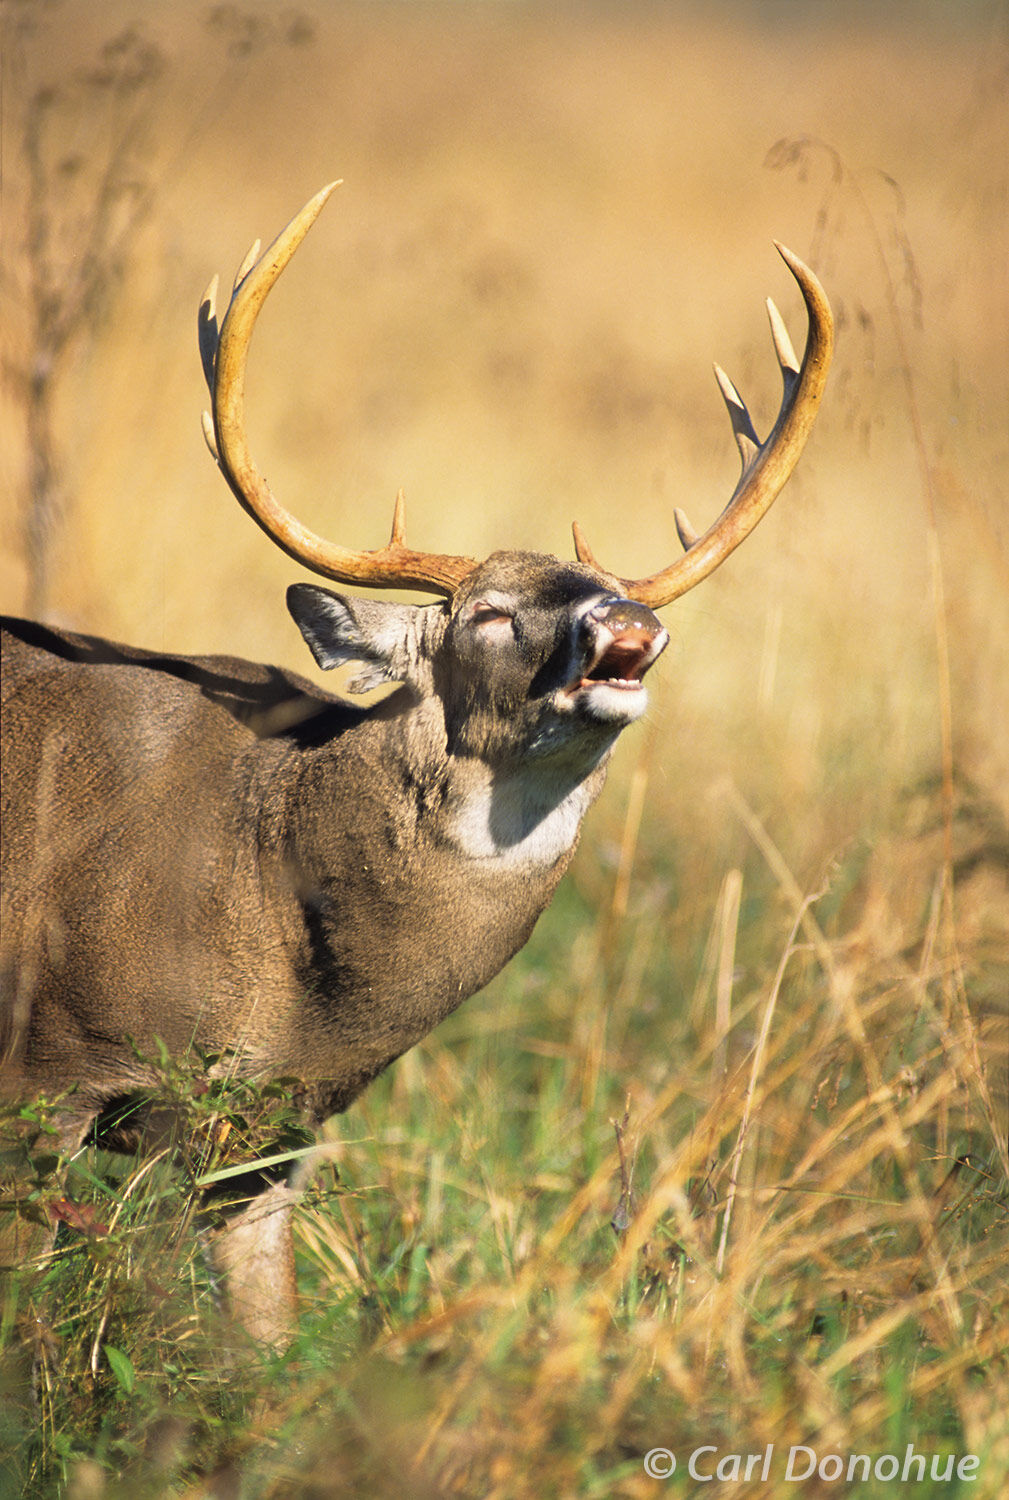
553 219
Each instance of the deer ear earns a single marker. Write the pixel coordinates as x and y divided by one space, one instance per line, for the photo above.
337 629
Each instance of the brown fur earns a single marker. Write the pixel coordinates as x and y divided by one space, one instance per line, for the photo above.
205 850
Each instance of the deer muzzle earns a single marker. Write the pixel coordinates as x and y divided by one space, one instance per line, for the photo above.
626 638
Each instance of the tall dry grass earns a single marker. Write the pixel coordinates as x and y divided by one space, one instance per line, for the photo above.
782 951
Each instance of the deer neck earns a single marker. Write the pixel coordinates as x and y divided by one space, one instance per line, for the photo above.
522 817
398 787
411 876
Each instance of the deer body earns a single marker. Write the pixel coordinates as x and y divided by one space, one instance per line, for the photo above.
317 886
202 850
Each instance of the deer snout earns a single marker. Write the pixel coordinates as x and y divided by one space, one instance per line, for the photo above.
620 615
625 638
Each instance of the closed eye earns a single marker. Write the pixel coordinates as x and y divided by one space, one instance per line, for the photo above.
484 613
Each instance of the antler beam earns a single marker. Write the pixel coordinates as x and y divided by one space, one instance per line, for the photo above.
224 350
765 466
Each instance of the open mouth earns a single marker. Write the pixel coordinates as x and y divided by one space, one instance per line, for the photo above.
619 641
622 665
619 663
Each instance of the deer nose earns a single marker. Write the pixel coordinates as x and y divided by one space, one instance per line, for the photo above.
625 638
626 616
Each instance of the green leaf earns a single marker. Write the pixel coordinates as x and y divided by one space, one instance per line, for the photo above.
207 1179
122 1367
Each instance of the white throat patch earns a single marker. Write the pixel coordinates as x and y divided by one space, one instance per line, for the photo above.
508 819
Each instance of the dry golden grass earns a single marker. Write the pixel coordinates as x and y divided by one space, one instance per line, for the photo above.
553 219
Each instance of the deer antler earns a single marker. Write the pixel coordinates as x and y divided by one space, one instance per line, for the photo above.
765 466
223 351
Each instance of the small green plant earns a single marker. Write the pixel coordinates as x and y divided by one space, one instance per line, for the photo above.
119 1311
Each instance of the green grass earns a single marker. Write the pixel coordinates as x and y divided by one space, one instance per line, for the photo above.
473 1324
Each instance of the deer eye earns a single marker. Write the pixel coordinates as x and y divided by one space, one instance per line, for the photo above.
485 613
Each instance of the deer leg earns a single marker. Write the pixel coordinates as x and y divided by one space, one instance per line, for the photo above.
253 1254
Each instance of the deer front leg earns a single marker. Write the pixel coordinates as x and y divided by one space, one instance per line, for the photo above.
253 1254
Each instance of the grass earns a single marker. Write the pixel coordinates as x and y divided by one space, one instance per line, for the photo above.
812 1241
720 1158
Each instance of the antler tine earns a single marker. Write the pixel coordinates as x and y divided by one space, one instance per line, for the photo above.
251 256
207 423
743 429
765 466
686 533
223 352
782 345
208 334
583 551
397 536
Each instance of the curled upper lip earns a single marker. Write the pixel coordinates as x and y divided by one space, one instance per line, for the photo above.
620 655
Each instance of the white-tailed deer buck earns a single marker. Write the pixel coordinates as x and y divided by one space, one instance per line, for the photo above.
206 851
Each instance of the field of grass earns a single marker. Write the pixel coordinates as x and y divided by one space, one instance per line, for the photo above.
720 1160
